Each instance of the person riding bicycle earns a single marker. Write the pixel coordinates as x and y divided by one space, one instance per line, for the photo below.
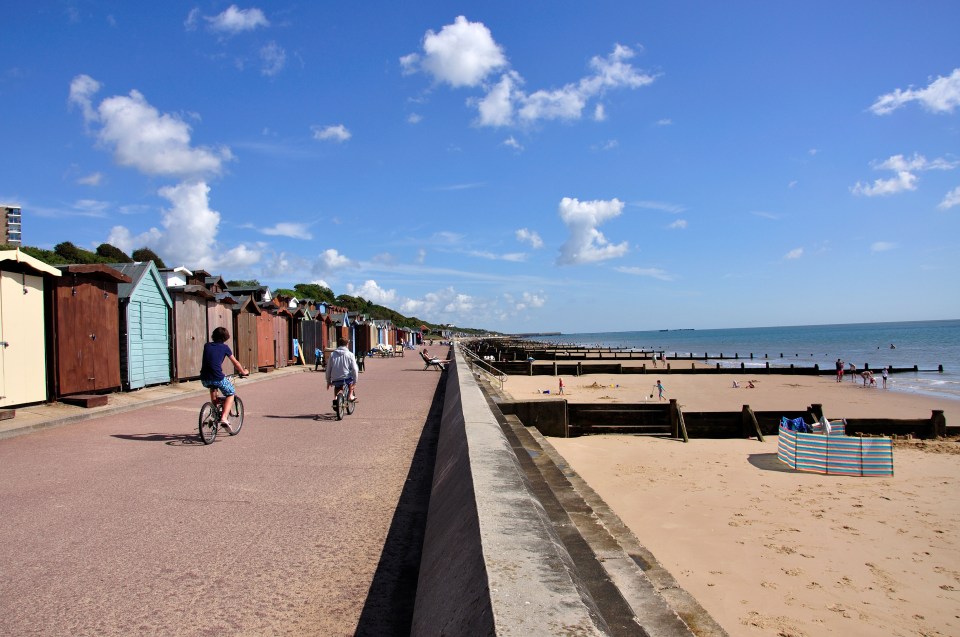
211 371
342 370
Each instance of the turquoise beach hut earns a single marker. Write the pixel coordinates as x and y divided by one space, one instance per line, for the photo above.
145 306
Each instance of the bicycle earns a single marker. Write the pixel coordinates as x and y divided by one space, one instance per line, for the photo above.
341 403
211 414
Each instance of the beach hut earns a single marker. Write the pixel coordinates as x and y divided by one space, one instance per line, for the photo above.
282 340
266 352
22 340
83 353
246 315
190 330
145 346
220 314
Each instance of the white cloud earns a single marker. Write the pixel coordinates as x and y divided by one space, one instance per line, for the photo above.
338 133
189 234
654 273
413 118
464 54
373 292
461 54
93 179
234 20
525 235
446 304
942 95
289 229
193 17
796 253
898 163
665 206
882 246
514 257
421 256
330 260
679 224
905 179
82 89
666 121
527 300
951 199
142 138
586 244
881 187
273 59
496 108
513 143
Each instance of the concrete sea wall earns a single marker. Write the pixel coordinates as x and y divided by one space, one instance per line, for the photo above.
491 563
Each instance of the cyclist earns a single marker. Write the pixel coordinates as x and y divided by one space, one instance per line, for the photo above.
342 369
211 371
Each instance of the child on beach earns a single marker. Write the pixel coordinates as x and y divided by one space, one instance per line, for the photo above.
561 387
660 389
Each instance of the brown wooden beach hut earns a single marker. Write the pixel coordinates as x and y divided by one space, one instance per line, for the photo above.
246 318
190 328
266 352
22 341
83 335
282 341
220 314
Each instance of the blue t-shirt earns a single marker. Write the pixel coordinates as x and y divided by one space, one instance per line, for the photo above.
213 355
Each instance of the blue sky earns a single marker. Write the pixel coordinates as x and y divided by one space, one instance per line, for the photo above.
518 166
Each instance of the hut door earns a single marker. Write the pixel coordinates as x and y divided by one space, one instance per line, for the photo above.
22 366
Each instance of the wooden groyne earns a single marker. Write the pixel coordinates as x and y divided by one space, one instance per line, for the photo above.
536 359
563 419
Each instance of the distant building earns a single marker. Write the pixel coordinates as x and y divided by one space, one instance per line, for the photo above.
10 224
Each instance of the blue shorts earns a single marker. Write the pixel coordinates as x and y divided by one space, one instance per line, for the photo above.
343 381
224 385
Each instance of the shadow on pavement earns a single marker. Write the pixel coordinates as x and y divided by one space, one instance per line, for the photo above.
170 439
388 609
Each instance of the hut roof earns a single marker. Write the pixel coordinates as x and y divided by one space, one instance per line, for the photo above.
195 290
16 261
139 272
98 271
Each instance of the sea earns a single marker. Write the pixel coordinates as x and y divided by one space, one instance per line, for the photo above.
926 344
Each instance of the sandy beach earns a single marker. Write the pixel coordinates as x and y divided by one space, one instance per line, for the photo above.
769 551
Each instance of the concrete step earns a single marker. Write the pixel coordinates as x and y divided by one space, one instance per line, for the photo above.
658 605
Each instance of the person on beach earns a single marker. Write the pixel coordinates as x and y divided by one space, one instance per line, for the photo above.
342 370
561 387
884 375
317 358
660 389
853 373
839 370
211 372
654 359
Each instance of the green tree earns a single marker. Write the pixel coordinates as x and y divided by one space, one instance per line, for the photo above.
112 254
243 283
316 292
146 254
73 254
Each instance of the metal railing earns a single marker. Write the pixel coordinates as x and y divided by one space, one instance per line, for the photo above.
477 364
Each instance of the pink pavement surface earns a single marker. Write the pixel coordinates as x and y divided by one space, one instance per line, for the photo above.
127 524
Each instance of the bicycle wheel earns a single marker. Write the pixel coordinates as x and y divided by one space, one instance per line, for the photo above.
338 406
351 405
208 423
236 415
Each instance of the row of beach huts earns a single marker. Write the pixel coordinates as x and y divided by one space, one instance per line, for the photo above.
91 329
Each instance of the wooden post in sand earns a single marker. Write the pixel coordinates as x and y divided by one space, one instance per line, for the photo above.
938 423
750 424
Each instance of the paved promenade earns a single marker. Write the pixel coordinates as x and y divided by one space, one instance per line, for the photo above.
126 523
